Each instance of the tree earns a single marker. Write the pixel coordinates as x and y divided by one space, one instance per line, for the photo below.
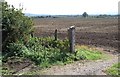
15 25
85 14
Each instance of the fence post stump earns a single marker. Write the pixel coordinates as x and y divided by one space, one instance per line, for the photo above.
71 36
55 34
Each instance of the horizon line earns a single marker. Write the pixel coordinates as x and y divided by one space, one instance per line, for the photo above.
69 14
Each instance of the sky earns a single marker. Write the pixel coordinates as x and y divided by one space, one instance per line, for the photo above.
66 7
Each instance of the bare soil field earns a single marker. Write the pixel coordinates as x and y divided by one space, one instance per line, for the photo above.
99 32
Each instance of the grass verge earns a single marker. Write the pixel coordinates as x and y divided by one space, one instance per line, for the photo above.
114 70
85 52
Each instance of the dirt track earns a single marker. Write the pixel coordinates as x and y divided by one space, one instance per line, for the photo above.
81 68
94 32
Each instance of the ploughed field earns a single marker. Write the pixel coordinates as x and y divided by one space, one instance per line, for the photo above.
100 32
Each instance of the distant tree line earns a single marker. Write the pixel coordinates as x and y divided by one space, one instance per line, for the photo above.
84 15
49 16
106 16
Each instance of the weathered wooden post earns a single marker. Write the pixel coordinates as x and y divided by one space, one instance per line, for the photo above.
55 34
71 36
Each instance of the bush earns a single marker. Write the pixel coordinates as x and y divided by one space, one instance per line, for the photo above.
46 50
14 49
43 51
15 26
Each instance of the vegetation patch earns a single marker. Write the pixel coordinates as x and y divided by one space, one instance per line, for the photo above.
45 52
114 70
84 52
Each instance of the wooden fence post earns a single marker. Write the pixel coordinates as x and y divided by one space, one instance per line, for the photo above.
55 34
71 37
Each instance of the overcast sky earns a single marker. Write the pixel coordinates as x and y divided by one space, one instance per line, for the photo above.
56 7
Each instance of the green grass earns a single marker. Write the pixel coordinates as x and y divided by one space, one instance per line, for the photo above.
114 70
84 52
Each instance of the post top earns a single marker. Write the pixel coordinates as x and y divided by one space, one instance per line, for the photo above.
73 27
